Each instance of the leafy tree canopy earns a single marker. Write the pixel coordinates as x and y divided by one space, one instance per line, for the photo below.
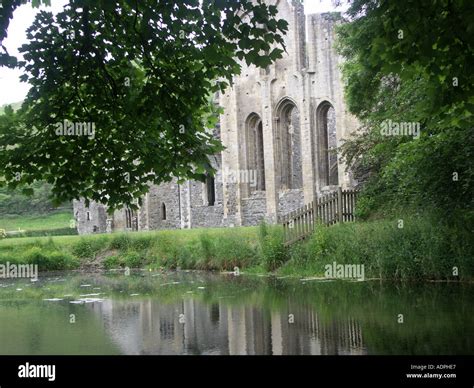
433 39
134 77
408 62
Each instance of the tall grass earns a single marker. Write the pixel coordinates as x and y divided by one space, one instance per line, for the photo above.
423 249
273 252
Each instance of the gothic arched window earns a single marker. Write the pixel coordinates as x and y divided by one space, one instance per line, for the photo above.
255 157
326 142
288 145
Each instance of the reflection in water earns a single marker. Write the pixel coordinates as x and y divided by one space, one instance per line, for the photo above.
193 327
196 313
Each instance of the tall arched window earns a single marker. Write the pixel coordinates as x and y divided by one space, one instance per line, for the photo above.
255 157
210 188
163 211
131 219
326 142
288 145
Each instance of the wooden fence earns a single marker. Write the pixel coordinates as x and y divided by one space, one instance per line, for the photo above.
338 206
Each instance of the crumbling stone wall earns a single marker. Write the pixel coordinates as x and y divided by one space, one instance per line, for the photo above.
89 219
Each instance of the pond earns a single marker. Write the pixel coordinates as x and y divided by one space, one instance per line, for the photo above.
203 313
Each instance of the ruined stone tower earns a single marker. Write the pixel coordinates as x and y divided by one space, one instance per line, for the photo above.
280 127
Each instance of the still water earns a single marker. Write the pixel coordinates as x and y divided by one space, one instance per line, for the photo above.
201 313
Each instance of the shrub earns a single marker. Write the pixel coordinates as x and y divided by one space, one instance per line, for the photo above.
132 259
36 255
121 242
61 261
87 248
272 249
49 260
113 261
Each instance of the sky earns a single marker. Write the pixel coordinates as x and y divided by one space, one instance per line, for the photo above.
12 90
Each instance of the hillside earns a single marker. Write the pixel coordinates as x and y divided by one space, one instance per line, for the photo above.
15 106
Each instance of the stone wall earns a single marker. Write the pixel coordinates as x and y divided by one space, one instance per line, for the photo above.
202 214
163 206
290 200
254 208
91 219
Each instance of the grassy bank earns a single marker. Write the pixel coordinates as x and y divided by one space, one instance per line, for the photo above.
422 249
37 222
51 224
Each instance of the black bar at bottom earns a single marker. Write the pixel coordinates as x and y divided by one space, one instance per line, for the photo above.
291 371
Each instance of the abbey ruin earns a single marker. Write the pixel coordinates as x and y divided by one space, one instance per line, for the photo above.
280 127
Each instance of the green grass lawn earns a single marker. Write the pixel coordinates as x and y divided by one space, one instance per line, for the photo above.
43 222
176 235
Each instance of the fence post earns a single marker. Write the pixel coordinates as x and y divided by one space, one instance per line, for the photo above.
355 199
339 204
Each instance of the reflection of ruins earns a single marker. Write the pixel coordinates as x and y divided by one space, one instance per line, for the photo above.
193 327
